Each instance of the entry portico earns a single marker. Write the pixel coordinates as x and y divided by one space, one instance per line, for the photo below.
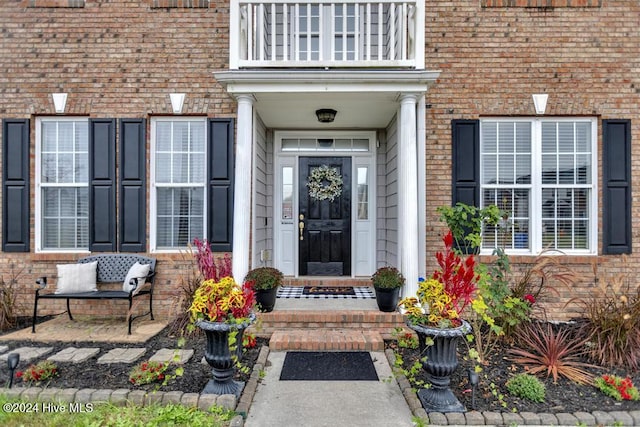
386 108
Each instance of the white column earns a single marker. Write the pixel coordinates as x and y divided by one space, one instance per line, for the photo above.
421 138
242 192
408 193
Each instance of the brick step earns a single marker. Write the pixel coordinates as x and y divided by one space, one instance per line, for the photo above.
345 319
355 320
326 340
326 281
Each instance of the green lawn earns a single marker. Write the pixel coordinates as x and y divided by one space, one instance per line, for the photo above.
22 413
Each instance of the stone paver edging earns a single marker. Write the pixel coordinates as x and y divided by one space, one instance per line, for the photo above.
121 397
242 405
486 418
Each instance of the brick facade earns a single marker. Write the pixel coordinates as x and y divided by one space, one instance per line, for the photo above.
115 59
122 58
494 59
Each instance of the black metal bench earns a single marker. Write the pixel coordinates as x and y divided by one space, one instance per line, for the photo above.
111 268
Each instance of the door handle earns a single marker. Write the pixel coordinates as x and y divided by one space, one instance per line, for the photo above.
301 228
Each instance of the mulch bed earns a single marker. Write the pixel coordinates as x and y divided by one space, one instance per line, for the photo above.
563 396
89 374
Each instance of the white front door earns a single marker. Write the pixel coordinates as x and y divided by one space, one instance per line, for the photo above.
356 148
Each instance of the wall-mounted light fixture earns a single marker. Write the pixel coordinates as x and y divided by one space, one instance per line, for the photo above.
59 102
326 115
540 102
177 101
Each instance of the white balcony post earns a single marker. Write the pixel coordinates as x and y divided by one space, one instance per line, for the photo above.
234 35
242 192
418 36
408 193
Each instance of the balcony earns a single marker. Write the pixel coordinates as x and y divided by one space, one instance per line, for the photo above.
318 34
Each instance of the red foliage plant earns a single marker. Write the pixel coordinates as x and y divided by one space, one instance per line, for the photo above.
457 276
555 352
209 268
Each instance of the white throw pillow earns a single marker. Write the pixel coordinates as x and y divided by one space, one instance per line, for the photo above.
137 270
74 278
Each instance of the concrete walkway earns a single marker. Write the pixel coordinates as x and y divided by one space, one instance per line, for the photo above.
328 403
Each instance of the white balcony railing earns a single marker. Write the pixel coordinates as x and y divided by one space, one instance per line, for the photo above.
316 33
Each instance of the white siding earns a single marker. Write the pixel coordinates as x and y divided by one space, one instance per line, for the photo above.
387 198
262 195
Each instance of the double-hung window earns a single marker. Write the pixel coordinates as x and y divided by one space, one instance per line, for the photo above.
62 177
542 172
178 176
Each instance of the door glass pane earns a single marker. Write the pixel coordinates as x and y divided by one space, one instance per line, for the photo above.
287 192
289 144
363 193
360 144
343 144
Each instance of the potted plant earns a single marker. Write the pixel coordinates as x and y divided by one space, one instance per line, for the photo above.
266 281
435 313
465 223
387 282
223 309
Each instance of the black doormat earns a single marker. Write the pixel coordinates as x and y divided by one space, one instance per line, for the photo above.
328 290
328 366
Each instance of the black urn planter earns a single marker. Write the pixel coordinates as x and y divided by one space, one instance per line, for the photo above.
387 299
266 299
218 355
441 361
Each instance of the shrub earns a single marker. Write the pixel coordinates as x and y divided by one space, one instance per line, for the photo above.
264 278
466 222
509 300
39 372
8 301
405 339
617 387
147 372
249 340
555 352
527 386
387 278
611 321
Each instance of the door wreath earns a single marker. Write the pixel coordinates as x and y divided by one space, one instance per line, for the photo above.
325 183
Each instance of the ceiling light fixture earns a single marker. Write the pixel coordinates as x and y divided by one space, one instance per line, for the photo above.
326 115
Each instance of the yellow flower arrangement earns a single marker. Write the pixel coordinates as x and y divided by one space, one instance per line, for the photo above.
442 298
222 301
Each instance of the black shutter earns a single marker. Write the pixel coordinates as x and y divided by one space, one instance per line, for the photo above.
465 141
102 185
15 185
133 194
220 189
616 191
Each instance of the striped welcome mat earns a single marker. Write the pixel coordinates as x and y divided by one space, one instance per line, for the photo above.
330 292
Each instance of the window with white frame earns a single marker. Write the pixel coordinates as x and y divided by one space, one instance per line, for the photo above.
541 171
62 178
178 176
